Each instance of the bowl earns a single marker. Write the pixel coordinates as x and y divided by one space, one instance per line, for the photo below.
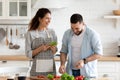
21 77
118 55
116 12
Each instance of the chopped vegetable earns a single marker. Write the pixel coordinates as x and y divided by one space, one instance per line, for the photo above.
66 76
53 43
50 76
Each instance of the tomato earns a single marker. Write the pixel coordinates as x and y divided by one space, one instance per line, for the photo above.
55 76
76 78
79 77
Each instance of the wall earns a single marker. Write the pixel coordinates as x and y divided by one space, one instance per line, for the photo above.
19 39
93 12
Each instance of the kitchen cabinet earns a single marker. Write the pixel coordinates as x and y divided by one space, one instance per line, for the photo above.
109 69
1 8
15 9
11 65
10 68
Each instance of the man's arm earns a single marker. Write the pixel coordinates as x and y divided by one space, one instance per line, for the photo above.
63 58
92 57
81 63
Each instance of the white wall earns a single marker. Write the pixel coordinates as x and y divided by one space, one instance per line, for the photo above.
93 12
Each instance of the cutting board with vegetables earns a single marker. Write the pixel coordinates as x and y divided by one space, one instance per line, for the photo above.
64 76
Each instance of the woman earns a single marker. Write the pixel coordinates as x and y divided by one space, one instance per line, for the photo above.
38 40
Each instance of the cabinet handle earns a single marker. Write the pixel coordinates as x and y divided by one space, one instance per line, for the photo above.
105 75
4 61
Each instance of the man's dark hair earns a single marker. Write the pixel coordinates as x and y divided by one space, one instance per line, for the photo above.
76 18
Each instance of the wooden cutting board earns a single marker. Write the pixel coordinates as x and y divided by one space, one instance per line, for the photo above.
35 78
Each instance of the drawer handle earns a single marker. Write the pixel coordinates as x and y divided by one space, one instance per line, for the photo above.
4 61
105 75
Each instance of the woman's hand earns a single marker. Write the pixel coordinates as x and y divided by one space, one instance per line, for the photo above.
45 47
53 48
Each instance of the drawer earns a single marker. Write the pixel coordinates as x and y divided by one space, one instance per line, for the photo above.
107 67
14 63
110 76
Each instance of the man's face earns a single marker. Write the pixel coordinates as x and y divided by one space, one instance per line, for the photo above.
77 27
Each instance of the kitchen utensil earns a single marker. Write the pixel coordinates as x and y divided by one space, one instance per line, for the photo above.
2 34
16 46
11 35
11 46
7 42
118 55
116 12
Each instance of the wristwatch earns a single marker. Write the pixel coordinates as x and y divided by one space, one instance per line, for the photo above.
84 60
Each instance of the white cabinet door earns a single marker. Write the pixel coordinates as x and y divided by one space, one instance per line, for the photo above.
108 69
14 63
15 9
11 68
19 8
1 3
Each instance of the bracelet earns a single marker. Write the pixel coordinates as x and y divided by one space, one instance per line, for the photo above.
84 60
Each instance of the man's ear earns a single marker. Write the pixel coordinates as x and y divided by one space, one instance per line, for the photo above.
83 23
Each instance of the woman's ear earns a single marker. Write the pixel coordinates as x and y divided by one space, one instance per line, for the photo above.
39 19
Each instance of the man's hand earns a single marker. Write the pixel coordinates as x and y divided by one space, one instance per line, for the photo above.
79 64
62 69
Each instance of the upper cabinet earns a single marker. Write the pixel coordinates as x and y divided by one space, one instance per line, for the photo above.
15 9
1 8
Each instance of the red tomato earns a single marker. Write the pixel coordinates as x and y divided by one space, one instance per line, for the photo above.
79 77
56 76
76 78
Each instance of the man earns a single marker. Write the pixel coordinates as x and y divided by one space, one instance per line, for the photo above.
82 46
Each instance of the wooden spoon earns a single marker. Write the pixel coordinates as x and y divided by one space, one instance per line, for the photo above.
7 42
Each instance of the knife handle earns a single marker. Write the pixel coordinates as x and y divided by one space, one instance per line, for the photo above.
11 31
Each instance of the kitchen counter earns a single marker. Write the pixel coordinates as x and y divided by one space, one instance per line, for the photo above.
109 58
23 58
14 58
104 58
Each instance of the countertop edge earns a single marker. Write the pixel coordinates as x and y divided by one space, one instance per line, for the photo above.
14 58
57 58
104 58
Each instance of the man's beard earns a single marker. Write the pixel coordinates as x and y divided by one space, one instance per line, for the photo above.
79 32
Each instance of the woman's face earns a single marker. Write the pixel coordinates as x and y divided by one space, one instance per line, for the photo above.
45 20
